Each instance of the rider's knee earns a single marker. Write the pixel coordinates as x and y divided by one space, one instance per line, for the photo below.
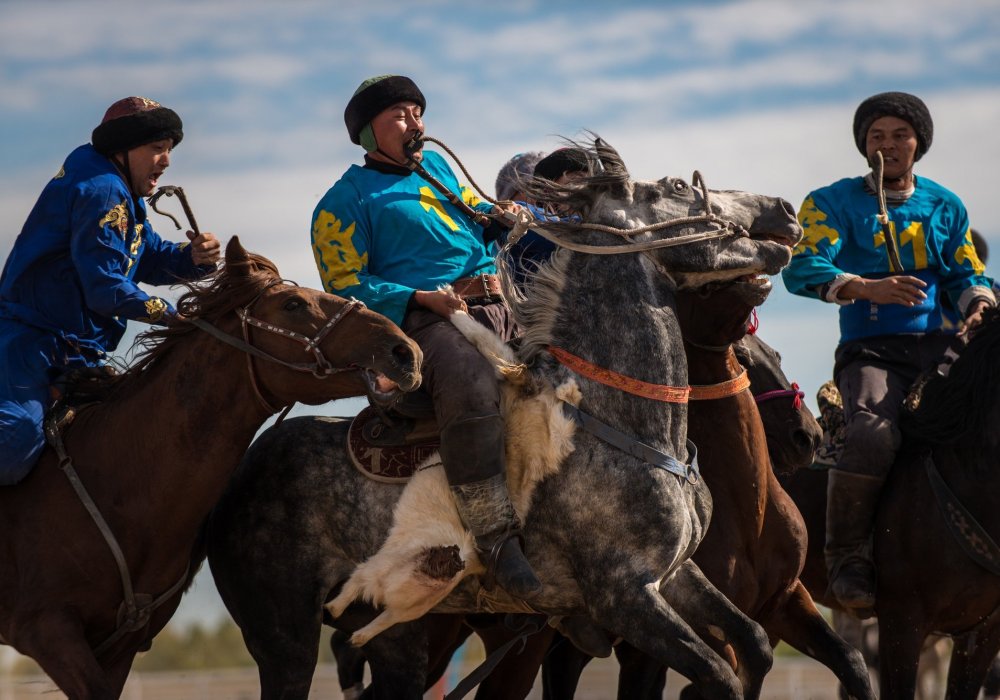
21 442
872 442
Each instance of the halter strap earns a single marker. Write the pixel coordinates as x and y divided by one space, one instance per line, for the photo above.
722 390
630 385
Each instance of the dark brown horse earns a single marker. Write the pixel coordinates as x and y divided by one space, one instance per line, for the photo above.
155 456
926 582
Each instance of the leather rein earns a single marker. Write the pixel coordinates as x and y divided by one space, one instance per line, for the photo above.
136 609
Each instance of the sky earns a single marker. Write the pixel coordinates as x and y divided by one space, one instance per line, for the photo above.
758 95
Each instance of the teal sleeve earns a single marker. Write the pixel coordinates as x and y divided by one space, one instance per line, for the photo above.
341 239
812 263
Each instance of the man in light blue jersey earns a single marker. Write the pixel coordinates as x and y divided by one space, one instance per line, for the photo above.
889 278
392 233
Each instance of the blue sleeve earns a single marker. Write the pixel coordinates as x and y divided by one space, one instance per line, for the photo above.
166 262
961 266
812 263
341 240
99 251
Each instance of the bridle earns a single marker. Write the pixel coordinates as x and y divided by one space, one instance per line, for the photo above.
321 368
135 611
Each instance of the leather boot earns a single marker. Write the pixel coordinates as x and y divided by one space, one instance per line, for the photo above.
486 510
472 451
850 516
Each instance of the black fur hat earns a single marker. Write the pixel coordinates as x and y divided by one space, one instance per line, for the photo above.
135 121
376 94
903 105
562 161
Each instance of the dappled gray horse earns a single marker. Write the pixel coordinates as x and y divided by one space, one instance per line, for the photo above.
299 518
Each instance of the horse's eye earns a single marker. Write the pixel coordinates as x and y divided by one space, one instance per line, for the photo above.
293 304
680 186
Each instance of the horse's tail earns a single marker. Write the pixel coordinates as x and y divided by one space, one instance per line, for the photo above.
508 367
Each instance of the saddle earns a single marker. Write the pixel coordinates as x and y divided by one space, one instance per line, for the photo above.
391 444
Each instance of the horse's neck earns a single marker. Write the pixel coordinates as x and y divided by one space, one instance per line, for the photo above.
711 365
621 323
737 453
179 430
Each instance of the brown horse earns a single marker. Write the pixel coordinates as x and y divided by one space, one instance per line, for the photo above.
926 582
756 545
156 455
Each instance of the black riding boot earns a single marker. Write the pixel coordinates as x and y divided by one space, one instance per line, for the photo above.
850 515
473 456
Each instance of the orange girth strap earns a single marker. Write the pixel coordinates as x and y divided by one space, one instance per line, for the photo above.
636 387
731 387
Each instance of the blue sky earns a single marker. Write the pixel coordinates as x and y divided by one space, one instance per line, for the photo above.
757 95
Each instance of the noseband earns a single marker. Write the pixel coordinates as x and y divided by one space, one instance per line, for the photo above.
795 394
321 368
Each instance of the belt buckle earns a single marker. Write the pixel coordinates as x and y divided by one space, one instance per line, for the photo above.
486 288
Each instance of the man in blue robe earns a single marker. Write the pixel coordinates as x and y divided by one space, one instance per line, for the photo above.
71 281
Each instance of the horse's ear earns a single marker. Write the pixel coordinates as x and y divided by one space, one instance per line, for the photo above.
612 162
237 258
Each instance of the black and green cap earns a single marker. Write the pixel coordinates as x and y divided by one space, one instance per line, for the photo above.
373 96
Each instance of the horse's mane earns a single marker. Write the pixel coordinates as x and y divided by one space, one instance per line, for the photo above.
231 286
955 408
607 172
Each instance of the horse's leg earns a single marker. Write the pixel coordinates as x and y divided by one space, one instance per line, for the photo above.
562 668
900 642
398 661
639 676
797 621
642 616
971 658
445 635
284 642
515 675
712 615
71 663
350 664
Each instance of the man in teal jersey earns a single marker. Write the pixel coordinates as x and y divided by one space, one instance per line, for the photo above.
890 311
387 235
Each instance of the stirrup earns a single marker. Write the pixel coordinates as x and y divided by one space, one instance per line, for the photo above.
489 578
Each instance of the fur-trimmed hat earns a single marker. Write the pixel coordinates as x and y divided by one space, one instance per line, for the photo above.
514 172
135 121
376 94
562 161
903 105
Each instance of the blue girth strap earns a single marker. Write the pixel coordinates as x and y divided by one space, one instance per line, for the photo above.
640 450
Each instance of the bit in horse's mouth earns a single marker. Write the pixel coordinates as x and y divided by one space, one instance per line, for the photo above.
381 390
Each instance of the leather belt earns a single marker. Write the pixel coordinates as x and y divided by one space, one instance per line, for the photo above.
479 287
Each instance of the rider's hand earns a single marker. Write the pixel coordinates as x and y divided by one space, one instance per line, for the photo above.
974 315
205 248
898 289
441 302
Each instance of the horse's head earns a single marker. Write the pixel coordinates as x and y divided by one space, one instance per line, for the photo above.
718 314
308 346
793 435
755 234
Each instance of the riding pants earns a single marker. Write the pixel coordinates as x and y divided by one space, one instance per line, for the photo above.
464 387
874 376
27 356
